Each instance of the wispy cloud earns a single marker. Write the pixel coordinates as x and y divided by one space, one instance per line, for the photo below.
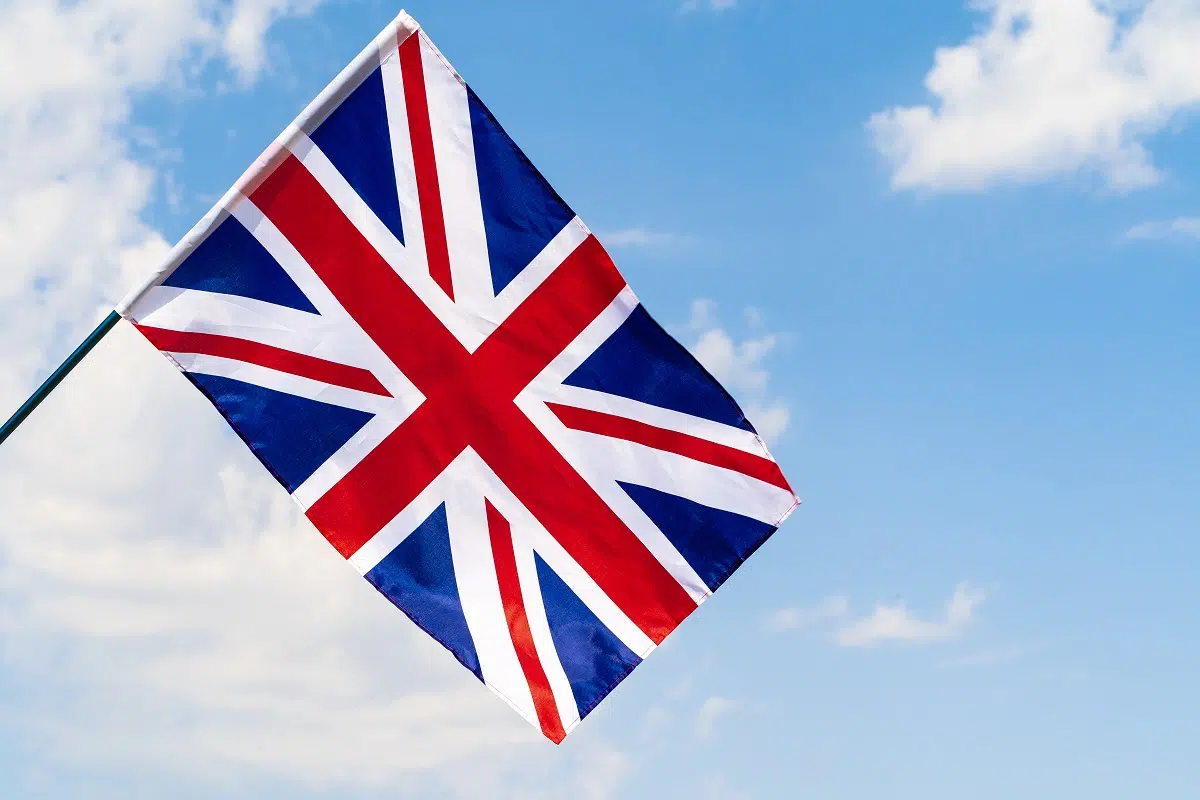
790 619
710 714
638 237
895 623
1182 227
244 36
739 365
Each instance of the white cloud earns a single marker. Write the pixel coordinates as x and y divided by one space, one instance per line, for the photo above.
603 775
790 619
895 622
244 39
710 714
194 619
69 215
638 237
1048 87
771 421
738 365
1184 227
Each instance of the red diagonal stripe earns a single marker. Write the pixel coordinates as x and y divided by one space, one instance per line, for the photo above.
553 316
264 355
579 519
693 447
378 299
518 626
389 478
429 192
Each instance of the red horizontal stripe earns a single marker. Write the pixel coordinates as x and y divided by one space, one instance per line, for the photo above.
264 355
693 447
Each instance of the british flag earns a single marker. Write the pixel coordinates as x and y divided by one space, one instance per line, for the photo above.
439 361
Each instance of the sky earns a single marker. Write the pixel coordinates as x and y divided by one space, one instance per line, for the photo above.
944 253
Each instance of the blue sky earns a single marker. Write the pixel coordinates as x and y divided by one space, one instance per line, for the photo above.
970 330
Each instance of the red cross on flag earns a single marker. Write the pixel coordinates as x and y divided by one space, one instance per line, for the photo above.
441 364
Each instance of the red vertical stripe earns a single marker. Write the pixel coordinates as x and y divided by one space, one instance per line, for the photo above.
518 626
429 191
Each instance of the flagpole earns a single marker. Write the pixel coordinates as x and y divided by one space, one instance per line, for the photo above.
59 375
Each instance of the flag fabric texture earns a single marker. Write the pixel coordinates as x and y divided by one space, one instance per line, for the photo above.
438 360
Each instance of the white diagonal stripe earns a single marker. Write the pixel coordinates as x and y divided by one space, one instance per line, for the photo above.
344 327
339 465
284 382
595 334
665 418
613 496
361 215
555 252
402 159
530 401
457 320
479 592
559 560
539 629
196 311
402 526
716 487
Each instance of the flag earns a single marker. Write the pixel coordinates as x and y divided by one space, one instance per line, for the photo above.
440 363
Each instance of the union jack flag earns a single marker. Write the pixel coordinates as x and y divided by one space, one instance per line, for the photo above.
439 361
